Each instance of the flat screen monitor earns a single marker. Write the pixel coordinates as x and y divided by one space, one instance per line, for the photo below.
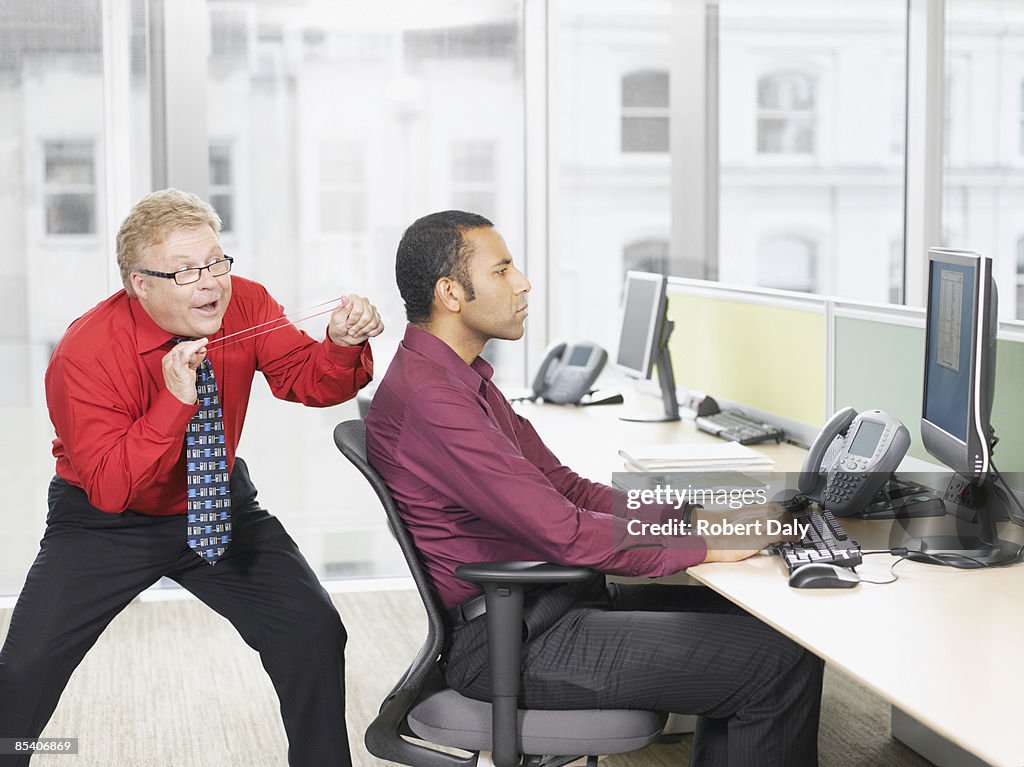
643 311
959 379
643 337
960 355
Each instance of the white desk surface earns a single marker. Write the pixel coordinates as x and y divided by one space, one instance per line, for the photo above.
941 644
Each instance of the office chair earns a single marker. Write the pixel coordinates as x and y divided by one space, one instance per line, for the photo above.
422 706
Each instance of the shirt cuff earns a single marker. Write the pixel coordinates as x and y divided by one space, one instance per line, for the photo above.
348 356
695 553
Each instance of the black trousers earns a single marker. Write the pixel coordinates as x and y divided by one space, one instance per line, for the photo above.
677 649
91 564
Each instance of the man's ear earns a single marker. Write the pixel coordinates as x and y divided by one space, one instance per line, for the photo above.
139 284
448 294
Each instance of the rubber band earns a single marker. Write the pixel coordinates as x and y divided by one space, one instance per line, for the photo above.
279 322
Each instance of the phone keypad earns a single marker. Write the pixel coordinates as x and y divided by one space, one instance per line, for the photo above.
841 487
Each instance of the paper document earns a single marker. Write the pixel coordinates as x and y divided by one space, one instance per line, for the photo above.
693 457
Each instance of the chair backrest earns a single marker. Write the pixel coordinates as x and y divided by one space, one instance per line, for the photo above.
383 738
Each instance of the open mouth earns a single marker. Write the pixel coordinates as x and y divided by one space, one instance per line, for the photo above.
210 308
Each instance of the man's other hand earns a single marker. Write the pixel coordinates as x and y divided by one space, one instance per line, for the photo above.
355 321
179 366
763 525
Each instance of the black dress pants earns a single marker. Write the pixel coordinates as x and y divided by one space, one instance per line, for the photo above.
677 649
91 564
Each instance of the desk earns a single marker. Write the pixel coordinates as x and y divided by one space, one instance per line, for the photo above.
940 644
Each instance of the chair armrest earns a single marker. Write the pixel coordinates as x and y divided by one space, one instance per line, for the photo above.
503 584
526 573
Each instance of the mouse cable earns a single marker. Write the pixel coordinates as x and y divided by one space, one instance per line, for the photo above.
892 570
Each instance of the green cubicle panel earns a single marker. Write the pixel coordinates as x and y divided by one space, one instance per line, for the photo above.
879 364
759 355
1007 417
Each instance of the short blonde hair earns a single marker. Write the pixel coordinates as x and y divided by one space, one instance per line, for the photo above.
154 217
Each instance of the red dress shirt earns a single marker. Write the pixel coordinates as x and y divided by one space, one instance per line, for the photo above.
120 432
475 483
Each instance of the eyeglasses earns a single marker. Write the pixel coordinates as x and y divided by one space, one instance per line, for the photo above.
216 268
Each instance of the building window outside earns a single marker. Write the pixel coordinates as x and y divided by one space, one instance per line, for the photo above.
474 177
896 270
649 255
1020 140
222 195
1020 279
786 104
69 187
343 186
788 263
645 111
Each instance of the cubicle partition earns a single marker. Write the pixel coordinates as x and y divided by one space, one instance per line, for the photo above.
763 350
798 358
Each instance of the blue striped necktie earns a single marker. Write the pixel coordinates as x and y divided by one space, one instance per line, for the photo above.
206 457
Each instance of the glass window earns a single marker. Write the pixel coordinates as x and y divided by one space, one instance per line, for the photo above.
229 36
345 124
786 113
342 186
896 270
69 185
609 165
645 109
222 196
983 177
788 263
1020 134
649 255
56 258
1020 279
806 140
474 177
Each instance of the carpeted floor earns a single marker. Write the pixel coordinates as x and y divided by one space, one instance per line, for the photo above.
138 698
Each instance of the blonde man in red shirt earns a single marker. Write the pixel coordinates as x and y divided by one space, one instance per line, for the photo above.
148 410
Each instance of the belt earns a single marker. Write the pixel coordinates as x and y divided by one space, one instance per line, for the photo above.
466 611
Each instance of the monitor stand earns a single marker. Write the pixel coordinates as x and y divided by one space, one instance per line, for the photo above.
903 498
983 504
667 381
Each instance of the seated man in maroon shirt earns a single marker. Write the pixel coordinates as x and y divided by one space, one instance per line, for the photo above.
475 483
148 410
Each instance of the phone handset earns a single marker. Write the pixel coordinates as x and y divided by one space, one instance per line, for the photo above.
812 474
548 368
853 458
568 371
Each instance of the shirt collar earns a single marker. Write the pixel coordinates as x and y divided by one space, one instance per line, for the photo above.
148 335
473 375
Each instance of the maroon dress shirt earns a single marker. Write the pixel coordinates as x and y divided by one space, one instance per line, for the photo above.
475 483
120 432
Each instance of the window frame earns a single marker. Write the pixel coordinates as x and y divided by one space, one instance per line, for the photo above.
647 112
47 189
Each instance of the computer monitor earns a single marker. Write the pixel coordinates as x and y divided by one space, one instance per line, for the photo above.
960 358
643 338
959 384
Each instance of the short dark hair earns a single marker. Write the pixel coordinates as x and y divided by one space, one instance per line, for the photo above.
431 248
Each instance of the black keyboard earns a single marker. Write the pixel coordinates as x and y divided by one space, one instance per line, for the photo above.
737 427
825 541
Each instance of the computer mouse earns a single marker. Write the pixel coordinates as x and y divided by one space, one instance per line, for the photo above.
823 575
